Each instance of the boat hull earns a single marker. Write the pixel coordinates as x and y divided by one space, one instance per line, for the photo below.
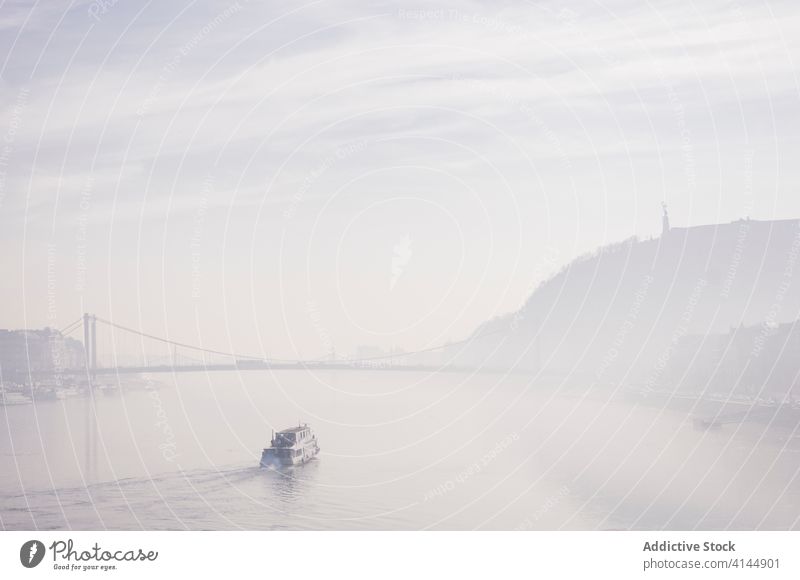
272 457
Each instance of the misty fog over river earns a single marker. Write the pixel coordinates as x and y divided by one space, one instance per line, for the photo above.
400 450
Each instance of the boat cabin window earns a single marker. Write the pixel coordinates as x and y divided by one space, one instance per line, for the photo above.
286 437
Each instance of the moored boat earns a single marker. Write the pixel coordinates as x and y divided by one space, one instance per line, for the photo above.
64 392
14 398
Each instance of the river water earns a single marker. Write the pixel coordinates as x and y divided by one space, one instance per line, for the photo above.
400 450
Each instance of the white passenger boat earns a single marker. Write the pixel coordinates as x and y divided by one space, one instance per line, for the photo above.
293 446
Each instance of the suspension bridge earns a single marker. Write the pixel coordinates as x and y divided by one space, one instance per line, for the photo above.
126 357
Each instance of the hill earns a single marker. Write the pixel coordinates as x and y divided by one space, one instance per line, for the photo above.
618 314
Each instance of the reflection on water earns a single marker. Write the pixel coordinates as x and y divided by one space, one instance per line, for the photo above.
288 484
90 437
399 451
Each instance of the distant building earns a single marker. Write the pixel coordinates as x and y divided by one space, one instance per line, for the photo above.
758 361
664 220
376 357
47 349
368 352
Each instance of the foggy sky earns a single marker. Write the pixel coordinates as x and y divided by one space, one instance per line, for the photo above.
288 178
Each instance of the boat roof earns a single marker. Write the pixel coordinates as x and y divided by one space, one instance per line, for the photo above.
294 429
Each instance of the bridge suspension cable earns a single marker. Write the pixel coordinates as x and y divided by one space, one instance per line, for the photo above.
299 361
71 327
180 344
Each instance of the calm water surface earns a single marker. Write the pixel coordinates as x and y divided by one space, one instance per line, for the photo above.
399 451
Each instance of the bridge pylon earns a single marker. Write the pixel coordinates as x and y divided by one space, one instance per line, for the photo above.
90 346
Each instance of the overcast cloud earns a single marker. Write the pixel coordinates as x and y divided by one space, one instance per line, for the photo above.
277 175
